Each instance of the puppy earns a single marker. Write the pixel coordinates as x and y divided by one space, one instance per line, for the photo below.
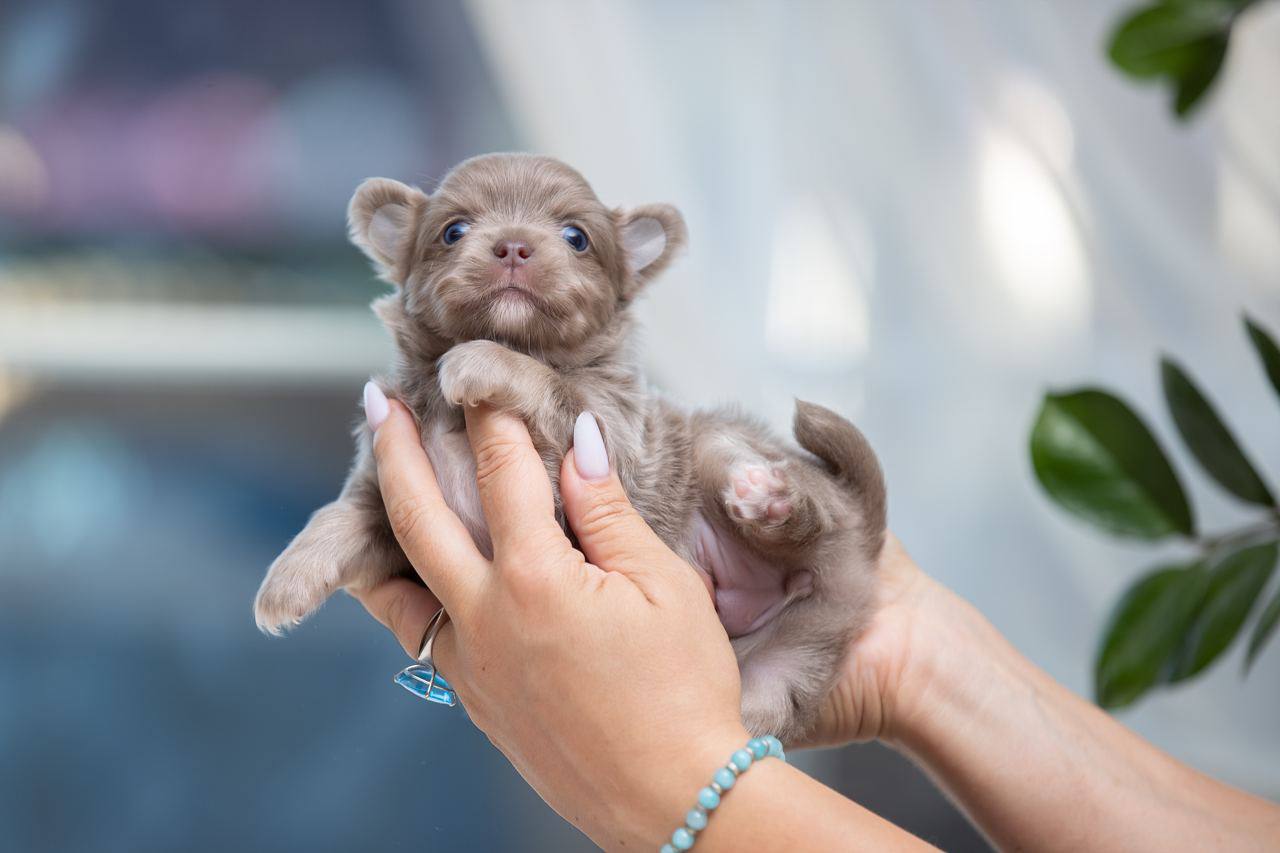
513 287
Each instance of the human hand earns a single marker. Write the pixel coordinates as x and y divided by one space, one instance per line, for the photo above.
889 665
1022 755
606 679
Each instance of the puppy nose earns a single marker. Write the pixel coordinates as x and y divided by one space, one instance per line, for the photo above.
514 252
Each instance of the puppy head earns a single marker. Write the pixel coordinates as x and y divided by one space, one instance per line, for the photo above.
512 247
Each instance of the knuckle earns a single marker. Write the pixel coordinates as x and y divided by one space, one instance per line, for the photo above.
532 564
523 579
605 513
408 515
495 455
543 546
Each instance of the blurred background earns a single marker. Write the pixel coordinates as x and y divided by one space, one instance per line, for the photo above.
922 214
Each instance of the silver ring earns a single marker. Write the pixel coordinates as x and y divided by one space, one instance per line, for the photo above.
421 678
429 636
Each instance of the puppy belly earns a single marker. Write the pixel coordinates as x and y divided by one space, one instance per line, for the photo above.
455 469
749 590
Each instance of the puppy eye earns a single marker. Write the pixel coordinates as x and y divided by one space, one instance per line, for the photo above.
454 232
575 237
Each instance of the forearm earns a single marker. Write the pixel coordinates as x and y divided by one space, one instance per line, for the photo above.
777 807
772 806
1037 767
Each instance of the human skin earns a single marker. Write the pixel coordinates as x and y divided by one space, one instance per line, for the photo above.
618 740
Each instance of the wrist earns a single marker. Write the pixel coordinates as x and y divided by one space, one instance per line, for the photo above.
951 642
666 783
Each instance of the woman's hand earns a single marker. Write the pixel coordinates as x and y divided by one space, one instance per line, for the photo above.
606 679
890 662
1022 755
611 686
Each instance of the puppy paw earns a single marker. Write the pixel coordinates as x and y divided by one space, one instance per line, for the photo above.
762 499
297 583
758 493
475 372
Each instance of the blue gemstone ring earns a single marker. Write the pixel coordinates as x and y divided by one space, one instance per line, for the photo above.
421 679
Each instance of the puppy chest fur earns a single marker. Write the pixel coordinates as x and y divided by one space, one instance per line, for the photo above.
513 287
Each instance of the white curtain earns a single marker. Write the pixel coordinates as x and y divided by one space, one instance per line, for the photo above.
925 214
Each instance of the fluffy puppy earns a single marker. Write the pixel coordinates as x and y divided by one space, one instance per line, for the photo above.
513 287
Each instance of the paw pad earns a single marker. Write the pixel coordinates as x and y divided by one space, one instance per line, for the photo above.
758 493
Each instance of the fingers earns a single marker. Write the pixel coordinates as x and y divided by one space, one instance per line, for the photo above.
611 533
515 492
433 538
406 608
403 606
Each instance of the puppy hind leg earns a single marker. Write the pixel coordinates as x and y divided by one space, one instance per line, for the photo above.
784 683
773 501
772 697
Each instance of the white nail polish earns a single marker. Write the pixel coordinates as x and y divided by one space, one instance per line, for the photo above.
375 405
589 455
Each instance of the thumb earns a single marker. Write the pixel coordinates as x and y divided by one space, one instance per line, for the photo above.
610 532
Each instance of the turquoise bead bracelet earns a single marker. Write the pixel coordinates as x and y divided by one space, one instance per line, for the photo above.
740 762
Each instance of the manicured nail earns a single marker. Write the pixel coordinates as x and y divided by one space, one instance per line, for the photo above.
375 405
589 456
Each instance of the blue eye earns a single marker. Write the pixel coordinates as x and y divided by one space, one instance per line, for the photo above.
454 232
575 237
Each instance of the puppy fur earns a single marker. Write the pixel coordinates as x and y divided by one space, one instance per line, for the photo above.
511 314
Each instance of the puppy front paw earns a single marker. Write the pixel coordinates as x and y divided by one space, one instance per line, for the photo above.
297 583
476 372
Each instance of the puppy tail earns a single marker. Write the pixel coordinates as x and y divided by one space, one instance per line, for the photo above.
845 449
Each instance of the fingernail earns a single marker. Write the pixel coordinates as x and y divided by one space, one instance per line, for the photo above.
375 405
589 456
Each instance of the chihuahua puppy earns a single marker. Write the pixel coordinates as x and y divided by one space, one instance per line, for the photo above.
513 287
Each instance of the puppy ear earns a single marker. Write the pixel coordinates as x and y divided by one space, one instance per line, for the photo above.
382 219
651 235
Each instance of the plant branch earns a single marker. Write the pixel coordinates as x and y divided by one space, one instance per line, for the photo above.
1268 528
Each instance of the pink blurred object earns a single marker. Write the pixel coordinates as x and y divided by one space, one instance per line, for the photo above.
194 157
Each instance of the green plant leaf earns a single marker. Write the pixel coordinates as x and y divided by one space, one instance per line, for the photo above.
1183 41
1166 40
1097 459
1267 351
1191 85
1208 438
1236 584
1263 629
1144 629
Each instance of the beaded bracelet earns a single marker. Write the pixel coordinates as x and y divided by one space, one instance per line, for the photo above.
709 797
